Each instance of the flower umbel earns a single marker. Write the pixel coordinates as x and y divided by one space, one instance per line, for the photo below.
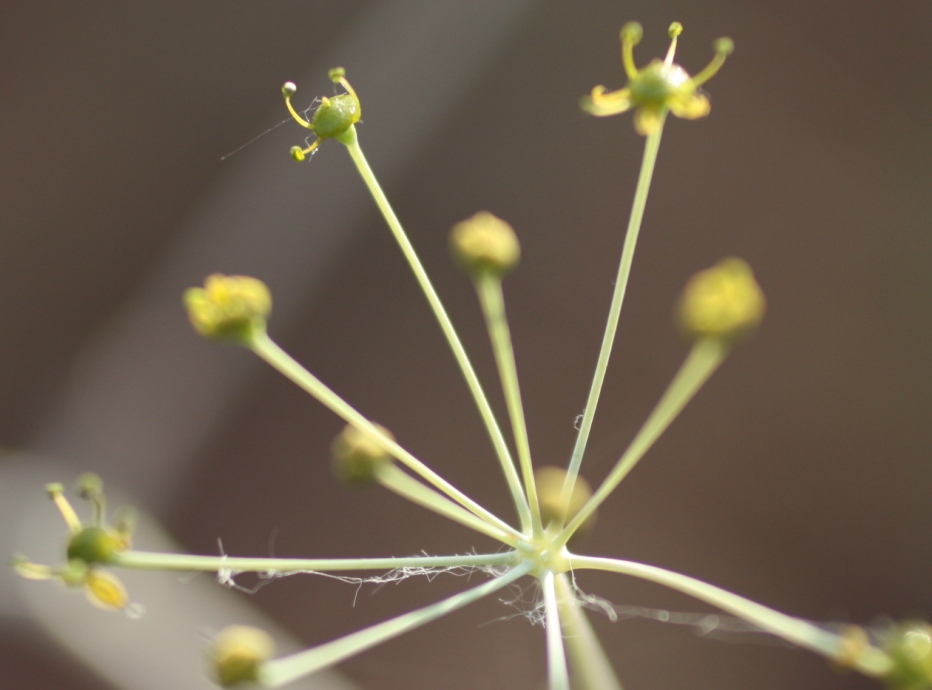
660 87
552 505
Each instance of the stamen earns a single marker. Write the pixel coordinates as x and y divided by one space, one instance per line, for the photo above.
288 90
674 31
631 34
723 48
56 493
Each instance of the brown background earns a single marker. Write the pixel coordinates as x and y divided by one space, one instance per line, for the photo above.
800 476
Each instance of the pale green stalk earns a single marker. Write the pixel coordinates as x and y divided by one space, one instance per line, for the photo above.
871 661
391 477
147 560
557 674
286 669
482 403
268 350
589 666
492 300
651 146
703 359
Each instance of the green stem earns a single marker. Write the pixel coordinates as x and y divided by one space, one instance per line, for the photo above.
391 477
703 359
872 661
489 288
287 669
651 146
557 673
482 402
589 665
263 346
147 560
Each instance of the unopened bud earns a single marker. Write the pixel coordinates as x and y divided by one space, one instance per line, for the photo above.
229 307
553 508
237 654
357 455
723 302
485 244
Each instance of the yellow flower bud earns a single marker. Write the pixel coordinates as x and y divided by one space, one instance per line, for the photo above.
229 307
549 482
723 302
357 456
237 654
105 590
485 244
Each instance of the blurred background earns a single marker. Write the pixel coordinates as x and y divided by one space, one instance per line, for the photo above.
798 477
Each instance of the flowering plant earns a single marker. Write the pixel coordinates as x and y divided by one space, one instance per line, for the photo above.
719 307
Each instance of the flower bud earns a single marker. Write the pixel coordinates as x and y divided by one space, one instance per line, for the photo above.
485 244
723 302
909 645
549 481
94 545
356 455
237 654
229 307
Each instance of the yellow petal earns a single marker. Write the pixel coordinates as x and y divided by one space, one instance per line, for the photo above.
646 121
603 104
691 108
105 591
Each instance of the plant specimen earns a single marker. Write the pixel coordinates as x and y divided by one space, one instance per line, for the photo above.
720 306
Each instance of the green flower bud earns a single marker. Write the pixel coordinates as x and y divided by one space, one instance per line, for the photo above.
485 244
95 545
723 302
357 455
549 482
229 307
909 645
237 654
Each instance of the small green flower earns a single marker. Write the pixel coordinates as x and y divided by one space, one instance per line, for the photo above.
333 119
88 548
660 87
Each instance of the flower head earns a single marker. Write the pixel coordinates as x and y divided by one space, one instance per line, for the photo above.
333 119
723 302
88 548
229 307
661 87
